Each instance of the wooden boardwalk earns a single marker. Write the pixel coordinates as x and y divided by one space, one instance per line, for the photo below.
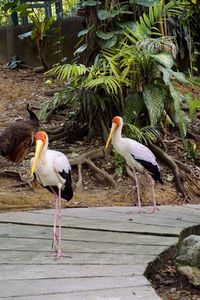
106 252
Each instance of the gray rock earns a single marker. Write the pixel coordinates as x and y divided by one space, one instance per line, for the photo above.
192 273
189 252
188 259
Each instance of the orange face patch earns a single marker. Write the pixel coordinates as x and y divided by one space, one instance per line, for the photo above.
116 120
41 135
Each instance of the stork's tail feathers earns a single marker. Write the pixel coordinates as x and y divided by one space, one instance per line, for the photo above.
152 168
67 192
157 177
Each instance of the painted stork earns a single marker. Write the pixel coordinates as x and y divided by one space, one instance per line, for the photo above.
137 157
52 170
16 140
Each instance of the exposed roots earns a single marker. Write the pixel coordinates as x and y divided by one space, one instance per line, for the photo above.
186 182
86 158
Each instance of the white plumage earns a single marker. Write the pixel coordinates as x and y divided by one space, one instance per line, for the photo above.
137 156
52 171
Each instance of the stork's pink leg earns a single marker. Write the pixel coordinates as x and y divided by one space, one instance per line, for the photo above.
138 192
55 234
155 207
59 252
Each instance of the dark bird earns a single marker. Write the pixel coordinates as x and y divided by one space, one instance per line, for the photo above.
52 171
16 140
137 157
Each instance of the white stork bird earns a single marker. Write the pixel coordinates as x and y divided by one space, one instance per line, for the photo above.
137 157
52 171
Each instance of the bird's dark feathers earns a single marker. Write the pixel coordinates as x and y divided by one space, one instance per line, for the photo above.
16 140
153 169
67 192
33 118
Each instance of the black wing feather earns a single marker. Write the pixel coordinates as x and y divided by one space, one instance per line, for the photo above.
153 169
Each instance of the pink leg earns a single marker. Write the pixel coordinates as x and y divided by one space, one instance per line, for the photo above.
55 233
59 252
138 192
153 193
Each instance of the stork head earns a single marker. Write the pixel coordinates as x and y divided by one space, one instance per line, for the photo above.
116 122
41 140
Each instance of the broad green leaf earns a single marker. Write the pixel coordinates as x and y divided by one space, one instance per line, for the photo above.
165 59
134 105
142 2
90 3
110 43
179 116
154 100
81 48
103 14
105 35
180 77
167 74
114 13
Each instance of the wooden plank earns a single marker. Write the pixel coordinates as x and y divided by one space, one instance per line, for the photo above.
78 246
127 293
13 272
13 288
36 257
42 232
43 219
106 251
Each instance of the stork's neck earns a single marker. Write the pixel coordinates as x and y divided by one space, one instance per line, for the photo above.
44 150
117 136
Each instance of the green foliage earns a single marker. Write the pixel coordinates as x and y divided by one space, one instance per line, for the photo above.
193 152
193 107
154 99
68 71
134 78
142 135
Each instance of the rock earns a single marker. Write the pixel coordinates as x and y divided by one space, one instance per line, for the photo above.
189 253
188 259
192 273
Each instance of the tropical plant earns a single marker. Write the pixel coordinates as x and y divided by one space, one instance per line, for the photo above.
40 28
138 73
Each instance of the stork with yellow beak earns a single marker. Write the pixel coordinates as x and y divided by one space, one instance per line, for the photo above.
137 157
53 171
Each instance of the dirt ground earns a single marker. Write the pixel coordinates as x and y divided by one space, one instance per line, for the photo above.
19 87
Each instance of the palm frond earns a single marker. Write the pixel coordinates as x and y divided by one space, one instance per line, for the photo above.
68 71
142 135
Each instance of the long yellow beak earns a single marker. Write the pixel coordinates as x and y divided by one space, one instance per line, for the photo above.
38 148
111 134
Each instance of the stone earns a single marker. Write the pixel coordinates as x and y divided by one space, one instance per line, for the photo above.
188 259
189 252
192 273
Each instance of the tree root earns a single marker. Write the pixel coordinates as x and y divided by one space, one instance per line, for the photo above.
17 175
86 158
186 184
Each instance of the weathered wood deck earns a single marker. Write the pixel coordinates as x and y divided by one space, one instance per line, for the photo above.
106 252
